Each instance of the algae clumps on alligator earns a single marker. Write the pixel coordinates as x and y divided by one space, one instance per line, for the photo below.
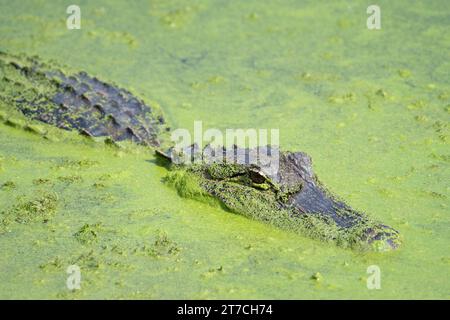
290 197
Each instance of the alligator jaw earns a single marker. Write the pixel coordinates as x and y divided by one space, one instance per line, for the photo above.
314 200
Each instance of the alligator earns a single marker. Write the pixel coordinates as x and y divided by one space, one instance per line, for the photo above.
289 196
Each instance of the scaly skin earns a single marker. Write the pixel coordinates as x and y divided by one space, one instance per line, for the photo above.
288 195
77 101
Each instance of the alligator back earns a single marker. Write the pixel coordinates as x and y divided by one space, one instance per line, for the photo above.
77 102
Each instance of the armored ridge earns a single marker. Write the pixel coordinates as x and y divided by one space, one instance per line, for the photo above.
77 102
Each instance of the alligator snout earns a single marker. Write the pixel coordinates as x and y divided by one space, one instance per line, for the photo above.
351 227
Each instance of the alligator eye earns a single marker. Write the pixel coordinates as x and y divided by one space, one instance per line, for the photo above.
256 177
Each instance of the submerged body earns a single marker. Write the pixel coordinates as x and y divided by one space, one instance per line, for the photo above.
290 197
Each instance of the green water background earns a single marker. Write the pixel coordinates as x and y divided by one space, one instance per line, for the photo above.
372 108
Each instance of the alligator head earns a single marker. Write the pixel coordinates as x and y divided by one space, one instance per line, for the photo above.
262 183
281 189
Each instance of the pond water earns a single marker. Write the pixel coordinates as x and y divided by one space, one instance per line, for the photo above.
372 108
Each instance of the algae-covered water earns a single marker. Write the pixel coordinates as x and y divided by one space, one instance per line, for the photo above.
372 108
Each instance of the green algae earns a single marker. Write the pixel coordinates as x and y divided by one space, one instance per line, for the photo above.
187 184
41 208
163 245
280 63
222 170
8 185
88 233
